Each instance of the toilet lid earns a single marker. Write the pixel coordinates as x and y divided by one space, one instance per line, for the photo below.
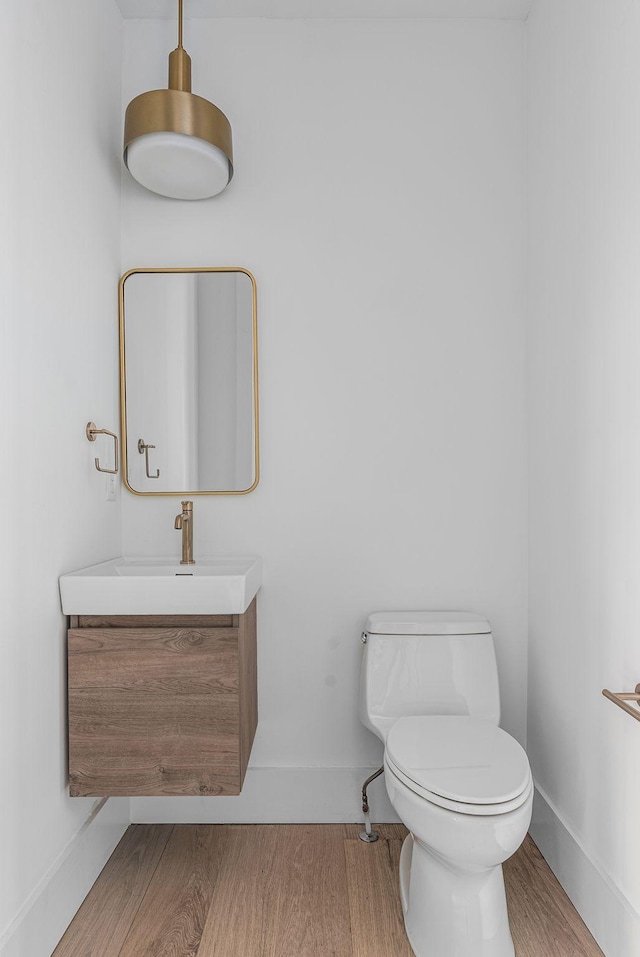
461 759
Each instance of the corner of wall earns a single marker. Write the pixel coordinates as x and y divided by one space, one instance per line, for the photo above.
51 906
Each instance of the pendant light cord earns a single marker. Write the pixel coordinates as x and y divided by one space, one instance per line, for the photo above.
179 24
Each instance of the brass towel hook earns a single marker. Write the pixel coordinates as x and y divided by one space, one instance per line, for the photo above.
91 432
143 449
621 697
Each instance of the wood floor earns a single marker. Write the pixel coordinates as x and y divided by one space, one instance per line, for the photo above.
286 891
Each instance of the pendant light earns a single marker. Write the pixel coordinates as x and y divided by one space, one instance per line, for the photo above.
176 143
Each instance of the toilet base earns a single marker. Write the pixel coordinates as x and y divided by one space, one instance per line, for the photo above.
451 912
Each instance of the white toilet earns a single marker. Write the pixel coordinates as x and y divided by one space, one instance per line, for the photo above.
461 785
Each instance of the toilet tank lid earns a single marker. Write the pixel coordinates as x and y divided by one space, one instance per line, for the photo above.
427 623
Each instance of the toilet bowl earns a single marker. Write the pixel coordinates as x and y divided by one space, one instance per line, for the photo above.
451 883
460 784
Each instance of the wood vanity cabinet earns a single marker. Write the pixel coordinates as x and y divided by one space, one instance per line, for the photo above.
161 705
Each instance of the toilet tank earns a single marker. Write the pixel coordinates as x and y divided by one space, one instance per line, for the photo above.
427 662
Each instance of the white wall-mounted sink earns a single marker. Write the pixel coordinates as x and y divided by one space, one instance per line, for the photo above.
162 586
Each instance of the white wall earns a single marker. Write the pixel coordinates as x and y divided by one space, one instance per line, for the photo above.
378 199
584 347
344 9
60 246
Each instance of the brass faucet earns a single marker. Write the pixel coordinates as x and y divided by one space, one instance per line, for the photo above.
184 522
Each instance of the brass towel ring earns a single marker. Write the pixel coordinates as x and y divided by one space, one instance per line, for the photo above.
91 432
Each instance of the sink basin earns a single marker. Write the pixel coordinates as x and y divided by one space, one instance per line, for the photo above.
162 586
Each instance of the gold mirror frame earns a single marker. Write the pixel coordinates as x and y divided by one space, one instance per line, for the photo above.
123 370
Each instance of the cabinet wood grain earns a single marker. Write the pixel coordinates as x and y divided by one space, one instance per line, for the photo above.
166 705
155 621
248 677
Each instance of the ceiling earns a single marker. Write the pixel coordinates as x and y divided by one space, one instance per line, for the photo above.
331 9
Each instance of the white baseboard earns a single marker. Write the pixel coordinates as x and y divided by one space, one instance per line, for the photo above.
276 796
608 914
47 913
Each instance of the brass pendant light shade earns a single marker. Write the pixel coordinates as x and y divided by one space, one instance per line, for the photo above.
176 143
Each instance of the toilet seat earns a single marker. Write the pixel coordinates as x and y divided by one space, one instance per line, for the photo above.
462 764
458 807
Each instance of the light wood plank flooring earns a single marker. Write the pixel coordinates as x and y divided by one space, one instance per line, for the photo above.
286 891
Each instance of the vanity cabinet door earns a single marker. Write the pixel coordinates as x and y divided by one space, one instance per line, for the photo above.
161 706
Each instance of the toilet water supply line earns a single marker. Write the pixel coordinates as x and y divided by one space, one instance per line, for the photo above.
368 835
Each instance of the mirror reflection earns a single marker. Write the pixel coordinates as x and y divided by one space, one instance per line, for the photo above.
189 381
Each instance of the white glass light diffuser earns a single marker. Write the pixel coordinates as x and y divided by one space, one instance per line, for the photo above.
178 144
177 165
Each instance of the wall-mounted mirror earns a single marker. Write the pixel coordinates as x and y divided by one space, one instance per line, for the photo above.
189 381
